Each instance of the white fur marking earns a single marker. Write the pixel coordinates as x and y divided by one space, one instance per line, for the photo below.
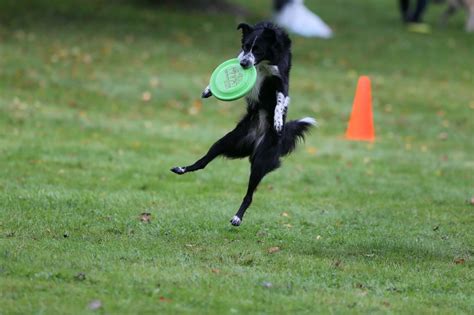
236 220
280 111
246 57
263 70
309 120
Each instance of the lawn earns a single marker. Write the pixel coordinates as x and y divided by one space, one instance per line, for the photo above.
98 99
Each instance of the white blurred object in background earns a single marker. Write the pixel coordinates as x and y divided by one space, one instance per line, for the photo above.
297 18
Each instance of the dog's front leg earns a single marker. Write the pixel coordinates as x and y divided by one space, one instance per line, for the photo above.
281 109
207 92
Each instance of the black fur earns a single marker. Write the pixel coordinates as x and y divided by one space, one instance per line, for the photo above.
262 134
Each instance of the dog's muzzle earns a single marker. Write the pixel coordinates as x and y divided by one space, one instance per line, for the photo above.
246 59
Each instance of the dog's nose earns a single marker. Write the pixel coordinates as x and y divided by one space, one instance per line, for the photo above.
245 63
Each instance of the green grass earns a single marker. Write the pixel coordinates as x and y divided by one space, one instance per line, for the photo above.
362 228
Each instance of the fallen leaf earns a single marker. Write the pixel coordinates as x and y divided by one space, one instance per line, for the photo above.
311 150
146 96
267 284
215 270
155 82
288 225
273 250
163 299
443 136
195 107
318 237
145 217
285 214
87 59
81 276
337 263
472 201
459 261
95 305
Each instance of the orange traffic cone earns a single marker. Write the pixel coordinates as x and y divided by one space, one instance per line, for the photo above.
361 125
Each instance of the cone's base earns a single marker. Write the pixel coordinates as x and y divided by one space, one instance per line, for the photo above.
360 139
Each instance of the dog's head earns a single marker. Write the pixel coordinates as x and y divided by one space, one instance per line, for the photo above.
262 42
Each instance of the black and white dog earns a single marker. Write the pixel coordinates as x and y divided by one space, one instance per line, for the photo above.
262 134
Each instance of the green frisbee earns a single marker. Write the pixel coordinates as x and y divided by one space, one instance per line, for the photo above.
230 81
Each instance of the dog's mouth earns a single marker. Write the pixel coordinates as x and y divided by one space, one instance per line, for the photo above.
246 60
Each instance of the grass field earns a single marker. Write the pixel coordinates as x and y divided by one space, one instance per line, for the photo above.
98 99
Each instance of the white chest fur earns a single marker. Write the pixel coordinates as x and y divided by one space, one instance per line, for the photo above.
264 70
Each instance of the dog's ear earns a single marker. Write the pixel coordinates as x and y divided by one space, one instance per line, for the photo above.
246 29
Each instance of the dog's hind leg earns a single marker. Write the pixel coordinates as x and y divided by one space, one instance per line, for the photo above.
216 149
224 146
262 164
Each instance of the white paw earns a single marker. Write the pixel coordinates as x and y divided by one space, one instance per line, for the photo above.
179 170
207 92
235 221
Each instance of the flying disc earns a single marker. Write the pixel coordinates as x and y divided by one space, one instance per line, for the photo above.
231 81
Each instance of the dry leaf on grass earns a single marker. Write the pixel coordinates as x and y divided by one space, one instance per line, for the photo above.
163 299
337 263
81 276
195 107
267 284
95 305
459 261
146 96
273 250
311 150
145 217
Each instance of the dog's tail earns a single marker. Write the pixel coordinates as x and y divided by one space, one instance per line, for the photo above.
295 131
